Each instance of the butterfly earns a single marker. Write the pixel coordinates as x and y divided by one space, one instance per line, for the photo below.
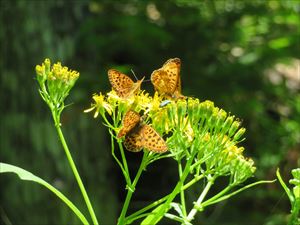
166 80
122 84
139 136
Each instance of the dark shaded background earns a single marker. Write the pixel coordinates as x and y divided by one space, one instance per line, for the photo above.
243 55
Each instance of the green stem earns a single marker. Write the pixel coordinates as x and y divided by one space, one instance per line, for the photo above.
217 196
137 214
221 195
294 218
287 190
125 166
295 202
193 181
113 152
125 206
182 197
193 212
175 191
56 118
131 189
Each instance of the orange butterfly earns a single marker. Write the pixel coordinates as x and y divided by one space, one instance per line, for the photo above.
139 136
166 80
122 84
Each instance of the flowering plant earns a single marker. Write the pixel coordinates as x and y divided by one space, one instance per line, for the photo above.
203 139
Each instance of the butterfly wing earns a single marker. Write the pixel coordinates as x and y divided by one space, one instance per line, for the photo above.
172 68
178 86
151 140
130 120
133 141
159 80
166 80
121 83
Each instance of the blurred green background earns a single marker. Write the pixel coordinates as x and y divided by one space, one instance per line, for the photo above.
243 55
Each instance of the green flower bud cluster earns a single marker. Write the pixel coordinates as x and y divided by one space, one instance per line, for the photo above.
201 130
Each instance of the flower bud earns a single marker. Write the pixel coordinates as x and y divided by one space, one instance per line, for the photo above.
234 127
227 123
239 134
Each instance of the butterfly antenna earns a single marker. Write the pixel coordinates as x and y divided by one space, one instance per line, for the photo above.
137 78
134 74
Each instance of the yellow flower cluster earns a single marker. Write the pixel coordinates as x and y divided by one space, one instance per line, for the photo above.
191 126
57 72
55 82
111 101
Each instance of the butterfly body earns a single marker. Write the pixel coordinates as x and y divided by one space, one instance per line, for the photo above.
139 136
122 84
144 136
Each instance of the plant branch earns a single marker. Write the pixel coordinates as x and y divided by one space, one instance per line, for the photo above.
137 214
56 118
175 191
193 212
182 196
131 189
220 197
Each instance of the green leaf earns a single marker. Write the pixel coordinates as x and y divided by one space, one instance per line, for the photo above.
25 175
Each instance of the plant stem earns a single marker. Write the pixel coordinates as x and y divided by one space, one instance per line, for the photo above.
182 197
56 118
294 218
193 181
217 196
175 191
125 206
125 166
113 152
193 212
287 190
221 195
131 189
135 215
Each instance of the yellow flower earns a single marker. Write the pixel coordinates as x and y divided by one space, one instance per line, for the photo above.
143 101
63 73
155 103
123 103
189 132
100 105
